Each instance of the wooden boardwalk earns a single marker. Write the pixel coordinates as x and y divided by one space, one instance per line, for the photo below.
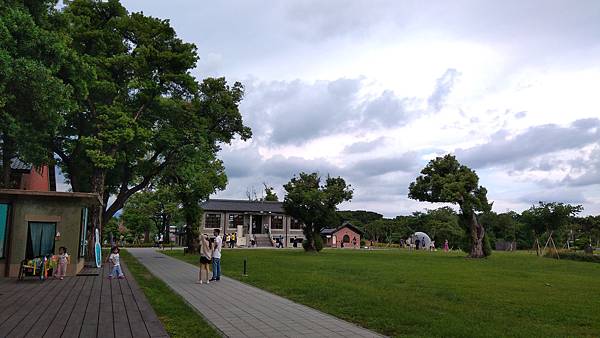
81 306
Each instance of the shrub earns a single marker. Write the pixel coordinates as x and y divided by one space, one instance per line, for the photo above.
362 242
318 244
572 255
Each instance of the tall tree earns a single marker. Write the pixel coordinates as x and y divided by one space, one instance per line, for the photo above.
143 107
196 176
270 194
33 98
315 204
548 217
445 180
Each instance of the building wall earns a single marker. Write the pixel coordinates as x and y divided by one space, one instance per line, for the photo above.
340 237
38 179
65 212
275 233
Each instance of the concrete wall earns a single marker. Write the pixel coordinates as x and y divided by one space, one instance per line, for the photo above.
65 212
275 233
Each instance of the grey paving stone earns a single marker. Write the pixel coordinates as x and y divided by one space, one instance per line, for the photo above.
241 310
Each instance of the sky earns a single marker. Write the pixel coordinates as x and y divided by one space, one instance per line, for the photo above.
372 90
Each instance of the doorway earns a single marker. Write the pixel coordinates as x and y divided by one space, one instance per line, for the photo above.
257 224
40 239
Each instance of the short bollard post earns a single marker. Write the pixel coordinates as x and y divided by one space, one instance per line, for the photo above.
245 274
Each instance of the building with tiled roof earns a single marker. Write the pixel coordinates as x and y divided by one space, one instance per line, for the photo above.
263 223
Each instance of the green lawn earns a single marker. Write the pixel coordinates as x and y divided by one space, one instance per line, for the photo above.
179 319
402 293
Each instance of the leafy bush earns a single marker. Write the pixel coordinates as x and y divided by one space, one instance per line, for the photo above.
362 242
487 246
572 255
318 244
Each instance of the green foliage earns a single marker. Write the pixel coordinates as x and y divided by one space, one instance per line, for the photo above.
314 203
574 256
358 218
444 179
270 195
150 212
112 227
546 217
316 246
33 99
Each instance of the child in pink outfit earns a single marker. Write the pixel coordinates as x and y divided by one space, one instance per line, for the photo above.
63 262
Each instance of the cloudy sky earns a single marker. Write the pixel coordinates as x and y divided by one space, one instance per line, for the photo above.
372 90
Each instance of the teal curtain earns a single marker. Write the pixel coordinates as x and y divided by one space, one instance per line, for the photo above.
47 242
3 226
41 239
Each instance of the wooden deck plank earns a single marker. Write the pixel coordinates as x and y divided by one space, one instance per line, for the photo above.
106 326
122 328
136 322
60 321
43 322
82 306
89 326
42 299
11 286
153 324
15 290
73 326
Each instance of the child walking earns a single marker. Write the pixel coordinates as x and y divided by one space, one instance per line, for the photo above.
115 259
63 261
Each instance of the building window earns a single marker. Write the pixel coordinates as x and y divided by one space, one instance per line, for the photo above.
346 239
296 224
212 221
3 227
235 220
83 232
277 222
40 239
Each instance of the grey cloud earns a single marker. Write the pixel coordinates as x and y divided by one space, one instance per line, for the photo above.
442 89
589 170
365 146
535 141
295 112
572 196
406 162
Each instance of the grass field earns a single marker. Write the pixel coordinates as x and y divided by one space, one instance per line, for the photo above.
179 319
402 293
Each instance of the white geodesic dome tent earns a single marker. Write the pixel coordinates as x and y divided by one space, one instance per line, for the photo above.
422 237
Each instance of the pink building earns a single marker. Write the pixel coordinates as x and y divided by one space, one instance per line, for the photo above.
344 236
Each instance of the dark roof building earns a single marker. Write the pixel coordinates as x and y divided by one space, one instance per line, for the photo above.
243 206
255 223
24 176
344 236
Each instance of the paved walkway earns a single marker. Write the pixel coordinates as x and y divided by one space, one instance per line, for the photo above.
78 306
241 310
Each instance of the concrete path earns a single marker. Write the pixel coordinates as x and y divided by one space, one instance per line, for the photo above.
241 310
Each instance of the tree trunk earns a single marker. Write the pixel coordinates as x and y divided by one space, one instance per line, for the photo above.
98 179
7 155
477 235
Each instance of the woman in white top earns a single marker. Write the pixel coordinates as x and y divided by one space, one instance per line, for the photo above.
205 258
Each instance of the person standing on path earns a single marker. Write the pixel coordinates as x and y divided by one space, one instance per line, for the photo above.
216 256
205 258
446 246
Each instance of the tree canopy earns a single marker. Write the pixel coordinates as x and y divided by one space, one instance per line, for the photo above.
315 204
33 98
445 180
